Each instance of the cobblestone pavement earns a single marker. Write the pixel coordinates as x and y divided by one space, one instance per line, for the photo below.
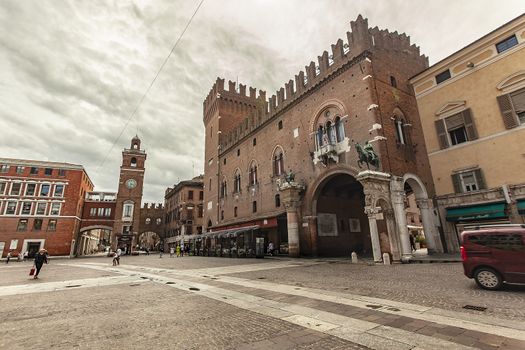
210 303
436 285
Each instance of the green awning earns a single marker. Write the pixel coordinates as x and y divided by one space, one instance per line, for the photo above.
477 212
521 206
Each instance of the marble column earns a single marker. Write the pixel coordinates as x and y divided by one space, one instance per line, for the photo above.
374 235
398 204
431 233
291 198
392 234
376 187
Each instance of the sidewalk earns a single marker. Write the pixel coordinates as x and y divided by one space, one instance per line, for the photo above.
421 256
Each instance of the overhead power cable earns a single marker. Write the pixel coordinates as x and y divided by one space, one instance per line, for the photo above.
149 87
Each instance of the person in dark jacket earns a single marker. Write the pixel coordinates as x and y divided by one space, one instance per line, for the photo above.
40 259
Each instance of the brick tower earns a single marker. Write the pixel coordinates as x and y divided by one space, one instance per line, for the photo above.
129 197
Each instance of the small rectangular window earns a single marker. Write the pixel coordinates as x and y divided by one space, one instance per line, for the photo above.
393 81
201 195
30 189
4 168
37 224
48 171
238 152
107 212
34 170
469 182
26 208
41 208
506 44
52 225
254 206
458 135
254 141
44 190
22 225
10 208
441 77
3 186
280 124
59 191
61 172
55 209
93 212
15 188
20 169
100 211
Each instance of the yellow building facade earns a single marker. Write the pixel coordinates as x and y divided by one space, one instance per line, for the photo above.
472 110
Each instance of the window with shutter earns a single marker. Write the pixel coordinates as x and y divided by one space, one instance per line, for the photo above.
507 111
518 102
469 125
479 179
442 133
456 181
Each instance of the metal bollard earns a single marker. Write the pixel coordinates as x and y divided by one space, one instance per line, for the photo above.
386 258
354 258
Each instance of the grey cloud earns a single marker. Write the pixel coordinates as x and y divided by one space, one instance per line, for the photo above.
76 70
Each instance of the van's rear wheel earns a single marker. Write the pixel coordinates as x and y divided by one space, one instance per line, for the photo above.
488 278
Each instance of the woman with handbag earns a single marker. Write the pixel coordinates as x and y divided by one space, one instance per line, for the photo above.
40 259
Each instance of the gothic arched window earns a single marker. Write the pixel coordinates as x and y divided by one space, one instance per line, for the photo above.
278 162
253 174
237 182
339 129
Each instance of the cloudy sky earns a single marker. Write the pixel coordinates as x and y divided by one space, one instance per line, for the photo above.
71 72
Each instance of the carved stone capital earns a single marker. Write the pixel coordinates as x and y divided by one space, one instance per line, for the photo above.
291 195
423 203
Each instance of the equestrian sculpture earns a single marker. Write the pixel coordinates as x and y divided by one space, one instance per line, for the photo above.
367 155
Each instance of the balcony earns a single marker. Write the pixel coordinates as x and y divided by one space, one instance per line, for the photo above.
331 151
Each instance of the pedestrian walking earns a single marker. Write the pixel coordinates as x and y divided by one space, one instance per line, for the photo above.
26 255
40 259
181 249
172 251
270 248
160 252
147 251
8 257
412 242
116 259
177 250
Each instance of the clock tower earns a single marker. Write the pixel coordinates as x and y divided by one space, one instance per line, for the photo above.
129 197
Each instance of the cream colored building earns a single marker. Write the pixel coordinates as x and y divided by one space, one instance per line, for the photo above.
472 110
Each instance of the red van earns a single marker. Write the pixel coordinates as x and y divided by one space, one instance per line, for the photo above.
494 254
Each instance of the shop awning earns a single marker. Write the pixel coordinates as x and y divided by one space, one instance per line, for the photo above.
477 212
521 206
233 232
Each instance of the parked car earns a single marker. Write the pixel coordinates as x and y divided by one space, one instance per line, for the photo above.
493 255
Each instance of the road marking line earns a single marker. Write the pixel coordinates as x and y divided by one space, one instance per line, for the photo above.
38 287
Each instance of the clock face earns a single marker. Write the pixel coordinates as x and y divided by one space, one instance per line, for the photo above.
131 183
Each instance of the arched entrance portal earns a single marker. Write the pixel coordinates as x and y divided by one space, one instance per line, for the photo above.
149 240
415 190
93 240
342 225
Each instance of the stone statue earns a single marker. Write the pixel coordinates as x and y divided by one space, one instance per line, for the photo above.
290 177
367 155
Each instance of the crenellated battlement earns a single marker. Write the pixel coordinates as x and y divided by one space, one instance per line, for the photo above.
235 97
156 206
361 41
